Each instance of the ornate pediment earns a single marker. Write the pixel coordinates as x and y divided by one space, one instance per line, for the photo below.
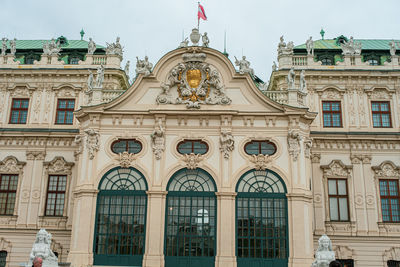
58 166
11 165
336 168
387 169
193 82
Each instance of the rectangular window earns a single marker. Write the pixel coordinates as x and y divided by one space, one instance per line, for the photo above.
338 199
8 192
332 113
392 263
390 200
56 195
19 111
65 109
381 114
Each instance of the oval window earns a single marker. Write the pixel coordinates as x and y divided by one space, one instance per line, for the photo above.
193 146
130 145
260 147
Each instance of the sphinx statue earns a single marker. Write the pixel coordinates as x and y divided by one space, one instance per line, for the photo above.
41 249
324 254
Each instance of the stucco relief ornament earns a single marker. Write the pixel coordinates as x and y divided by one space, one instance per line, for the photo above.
290 78
92 142
126 159
158 140
91 46
78 142
261 161
192 160
11 165
143 66
351 48
4 46
387 169
294 143
41 249
324 254
196 82
244 66
115 48
227 143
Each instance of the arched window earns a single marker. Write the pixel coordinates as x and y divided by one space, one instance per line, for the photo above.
192 146
190 221
130 145
257 147
120 218
261 220
3 258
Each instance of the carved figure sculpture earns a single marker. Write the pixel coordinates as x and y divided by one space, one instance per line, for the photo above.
90 80
351 48
92 142
244 66
100 76
205 40
91 46
290 78
284 49
13 46
303 83
143 66
184 43
227 143
310 46
158 140
126 69
282 43
41 249
51 48
4 46
294 143
115 48
392 48
324 254
274 66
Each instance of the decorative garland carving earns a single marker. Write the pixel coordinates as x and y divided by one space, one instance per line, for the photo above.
58 166
11 165
192 160
261 161
38 155
126 159
197 83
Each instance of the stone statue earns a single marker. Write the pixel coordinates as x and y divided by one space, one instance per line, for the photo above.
91 46
351 48
143 66
126 69
310 46
294 139
158 139
100 76
290 46
303 84
13 46
92 142
274 66
51 48
244 66
281 44
205 40
114 48
41 249
184 43
227 143
324 254
284 49
90 80
290 78
4 46
392 48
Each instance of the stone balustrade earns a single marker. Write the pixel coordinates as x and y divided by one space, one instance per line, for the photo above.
292 97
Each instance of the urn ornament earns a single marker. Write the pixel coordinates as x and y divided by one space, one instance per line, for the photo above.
195 36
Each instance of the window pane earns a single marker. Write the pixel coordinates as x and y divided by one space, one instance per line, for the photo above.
383 188
342 187
385 210
384 106
343 209
336 119
332 187
385 120
333 207
327 120
375 106
395 210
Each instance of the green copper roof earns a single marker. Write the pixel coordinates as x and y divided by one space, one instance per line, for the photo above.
38 44
367 44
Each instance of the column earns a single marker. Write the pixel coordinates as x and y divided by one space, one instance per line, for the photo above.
226 239
359 195
155 221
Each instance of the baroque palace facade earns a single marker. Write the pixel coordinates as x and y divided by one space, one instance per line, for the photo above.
196 163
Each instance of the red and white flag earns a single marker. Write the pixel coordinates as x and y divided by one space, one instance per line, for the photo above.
201 14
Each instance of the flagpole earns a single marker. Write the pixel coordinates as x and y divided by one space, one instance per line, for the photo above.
198 18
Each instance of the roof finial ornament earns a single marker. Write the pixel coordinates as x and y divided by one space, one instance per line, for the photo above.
82 34
322 32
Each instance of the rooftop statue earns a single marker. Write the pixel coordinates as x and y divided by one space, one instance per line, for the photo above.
310 46
91 46
205 40
290 78
244 66
324 254
303 84
351 48
51 48
284 49
90 80
13 45
126 69
100 76
114 48
274 66
184 43
4 46
392 48
143 66
41 249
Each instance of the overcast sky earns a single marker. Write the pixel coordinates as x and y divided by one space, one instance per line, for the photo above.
154 27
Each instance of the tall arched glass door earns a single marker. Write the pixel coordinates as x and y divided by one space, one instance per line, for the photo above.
261 220
190 223
120 218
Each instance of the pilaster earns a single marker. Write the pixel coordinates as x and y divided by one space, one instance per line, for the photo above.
359 195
